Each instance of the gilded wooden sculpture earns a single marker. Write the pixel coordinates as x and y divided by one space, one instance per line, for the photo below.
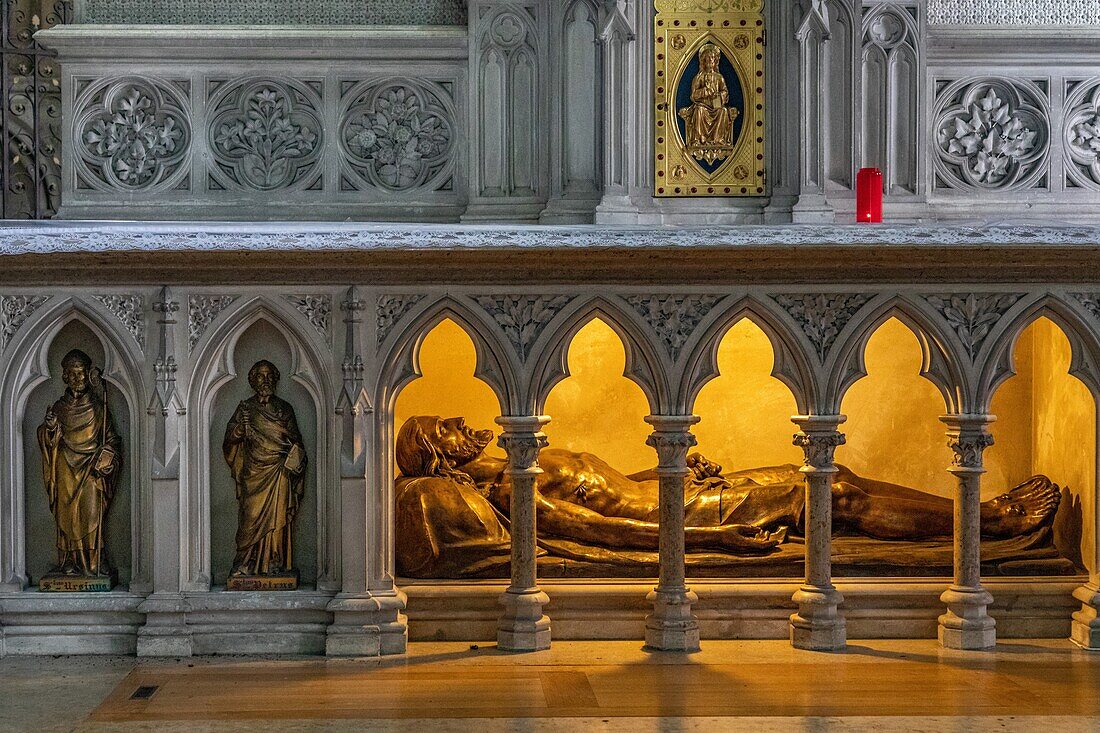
453 504
81 461
267 458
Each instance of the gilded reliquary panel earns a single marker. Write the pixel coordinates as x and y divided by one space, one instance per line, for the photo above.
709 98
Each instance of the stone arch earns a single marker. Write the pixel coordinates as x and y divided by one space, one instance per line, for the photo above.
792 365
27 369
213 367
999 365
943 364
644 363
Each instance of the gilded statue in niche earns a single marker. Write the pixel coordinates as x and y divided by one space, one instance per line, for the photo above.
709 121
452 503
81 462
267 458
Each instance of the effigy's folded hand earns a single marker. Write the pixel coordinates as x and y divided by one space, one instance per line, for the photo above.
702 467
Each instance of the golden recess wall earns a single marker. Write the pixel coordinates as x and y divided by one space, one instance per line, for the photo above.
448 387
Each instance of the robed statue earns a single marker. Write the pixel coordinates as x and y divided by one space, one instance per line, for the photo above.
81 461
453 503
267 458
708 122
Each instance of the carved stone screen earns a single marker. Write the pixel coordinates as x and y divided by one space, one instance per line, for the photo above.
274 12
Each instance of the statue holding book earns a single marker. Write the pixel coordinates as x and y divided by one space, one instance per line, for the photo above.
267 457
81 461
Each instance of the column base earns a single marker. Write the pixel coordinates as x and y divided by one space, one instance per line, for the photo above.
523 626
812 209
967 624
672 627
1085 631
818 625
165 633
367 625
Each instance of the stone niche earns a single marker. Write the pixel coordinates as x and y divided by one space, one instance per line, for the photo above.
272 12
41 552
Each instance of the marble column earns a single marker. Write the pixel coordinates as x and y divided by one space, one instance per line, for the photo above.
818 624
967 624
672 627
523 626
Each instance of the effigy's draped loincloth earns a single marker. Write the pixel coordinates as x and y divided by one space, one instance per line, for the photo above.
768 498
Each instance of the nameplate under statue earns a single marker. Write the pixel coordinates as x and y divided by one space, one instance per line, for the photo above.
267 458
81 463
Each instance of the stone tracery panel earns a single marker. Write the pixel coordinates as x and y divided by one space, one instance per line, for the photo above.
265 133
1082 134
132 134
991 133
399 134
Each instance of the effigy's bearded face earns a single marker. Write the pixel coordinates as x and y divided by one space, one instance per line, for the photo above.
457 441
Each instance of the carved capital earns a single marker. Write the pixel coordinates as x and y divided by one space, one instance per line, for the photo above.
819 438
522 441
968 436
672 439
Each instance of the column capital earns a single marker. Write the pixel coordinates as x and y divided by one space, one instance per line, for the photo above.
522 441
819 438
968 436
672 439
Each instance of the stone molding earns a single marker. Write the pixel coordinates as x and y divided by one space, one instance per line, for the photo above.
273 12
1023 13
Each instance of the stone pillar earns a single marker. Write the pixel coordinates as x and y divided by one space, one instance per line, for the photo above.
165 632
1085 631
967 624
813 84
672 627
818 625
367 619
523 626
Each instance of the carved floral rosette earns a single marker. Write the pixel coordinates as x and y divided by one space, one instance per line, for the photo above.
398 134
1082 134
132 134
266 134
991 134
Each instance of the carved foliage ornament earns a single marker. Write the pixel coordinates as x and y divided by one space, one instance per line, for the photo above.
672 449
820 448
132 133
822 316
523 318
522 449
398 135
991 134
973 316
968 449
391 309
14 311
1091 302
266 134
316 308
1082 135
130 311
674 317
1026 13
201 312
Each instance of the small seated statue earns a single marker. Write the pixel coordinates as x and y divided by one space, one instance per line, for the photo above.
453 504
708 122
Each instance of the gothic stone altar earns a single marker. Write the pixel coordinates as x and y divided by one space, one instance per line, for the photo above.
619 365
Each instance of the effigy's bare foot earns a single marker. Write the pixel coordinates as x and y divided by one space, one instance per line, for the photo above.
1022 510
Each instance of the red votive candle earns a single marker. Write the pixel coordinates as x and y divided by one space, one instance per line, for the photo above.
869 196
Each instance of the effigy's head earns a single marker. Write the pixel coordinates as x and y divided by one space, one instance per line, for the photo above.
263 378
76 371
709 56
432 446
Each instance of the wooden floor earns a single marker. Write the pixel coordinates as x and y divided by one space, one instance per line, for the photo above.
625 683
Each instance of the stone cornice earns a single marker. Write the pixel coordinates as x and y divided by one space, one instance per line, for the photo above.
67 252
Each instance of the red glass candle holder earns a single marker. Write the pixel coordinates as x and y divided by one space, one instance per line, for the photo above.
869 196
